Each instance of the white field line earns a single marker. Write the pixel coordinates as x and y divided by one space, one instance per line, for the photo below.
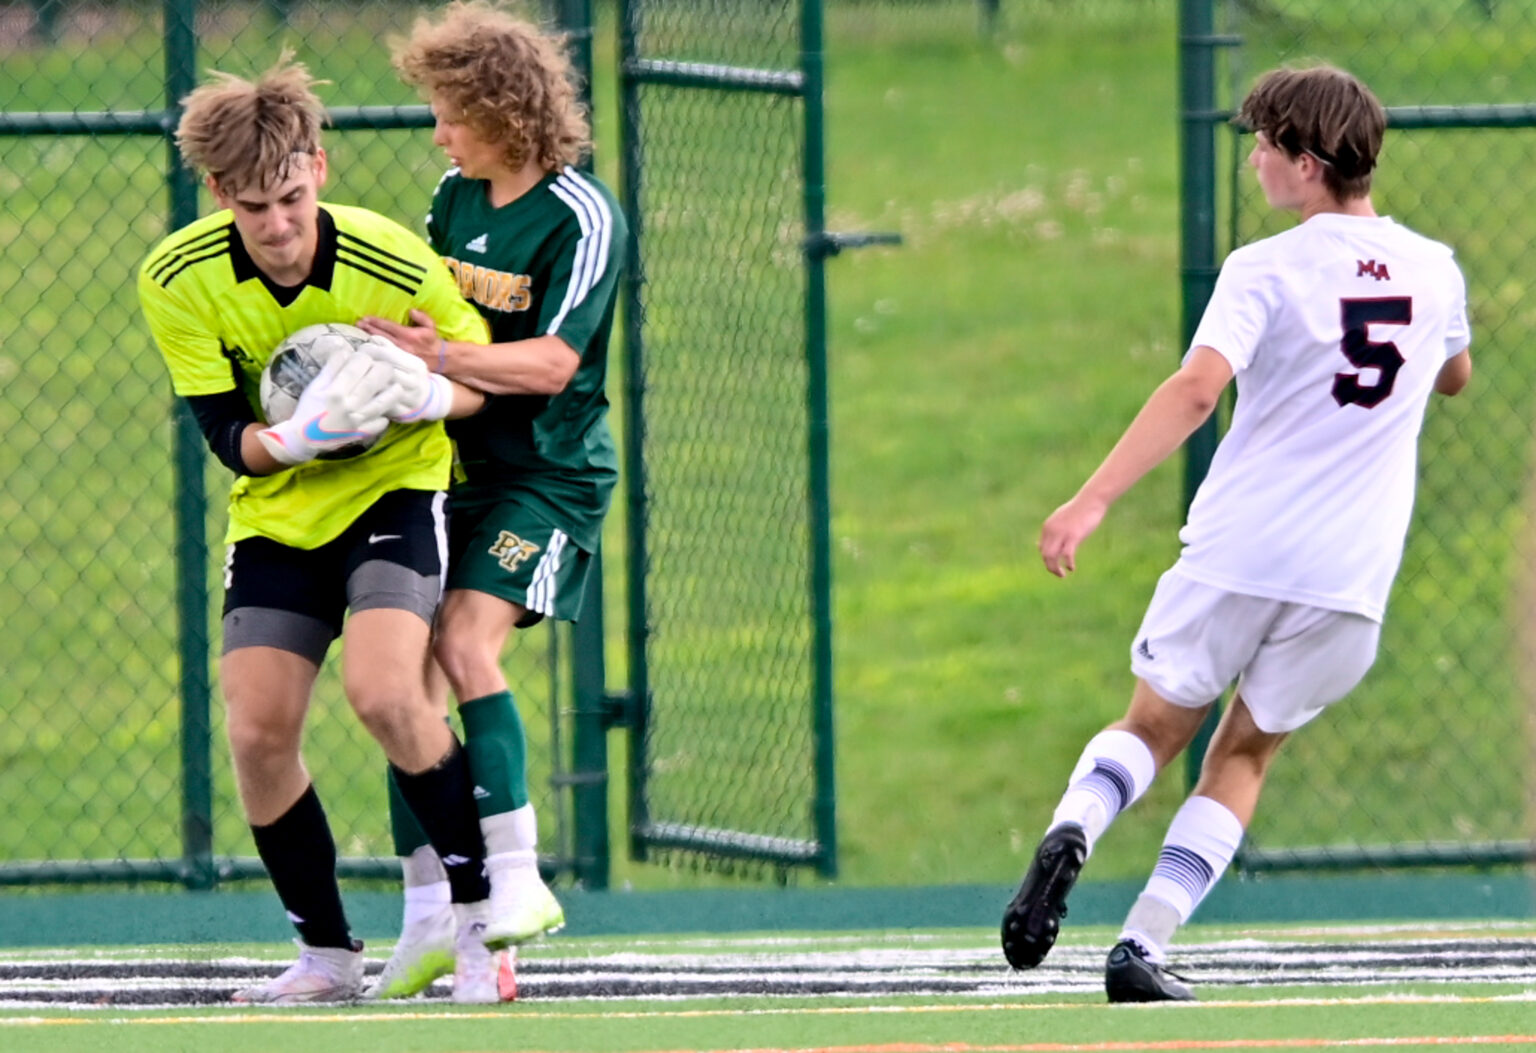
156 983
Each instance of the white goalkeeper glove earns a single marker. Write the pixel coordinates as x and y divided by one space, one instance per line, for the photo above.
423 395
343 405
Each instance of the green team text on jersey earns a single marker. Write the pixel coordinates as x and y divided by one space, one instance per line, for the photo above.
546 264
216 319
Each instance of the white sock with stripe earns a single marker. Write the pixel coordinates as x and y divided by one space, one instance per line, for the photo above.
1115 769
1201 841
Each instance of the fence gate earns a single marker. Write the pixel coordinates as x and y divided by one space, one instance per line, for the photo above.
1429 761
726 415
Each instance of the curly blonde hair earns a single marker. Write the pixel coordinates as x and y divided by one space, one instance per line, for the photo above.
248 133
503 76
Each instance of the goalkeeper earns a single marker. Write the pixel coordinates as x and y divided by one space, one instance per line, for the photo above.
313 541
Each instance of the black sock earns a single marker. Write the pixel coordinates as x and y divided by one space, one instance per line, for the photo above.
300 856
443 800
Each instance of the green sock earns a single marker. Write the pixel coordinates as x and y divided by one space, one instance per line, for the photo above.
403 826
498 752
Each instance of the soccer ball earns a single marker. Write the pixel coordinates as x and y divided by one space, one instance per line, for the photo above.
298 360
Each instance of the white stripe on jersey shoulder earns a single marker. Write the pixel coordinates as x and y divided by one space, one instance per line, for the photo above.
593 249
441 180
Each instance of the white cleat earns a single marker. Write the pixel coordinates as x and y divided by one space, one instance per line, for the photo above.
521 906
322 974
424 952
482 976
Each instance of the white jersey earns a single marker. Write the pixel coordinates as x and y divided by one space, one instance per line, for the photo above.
1336 331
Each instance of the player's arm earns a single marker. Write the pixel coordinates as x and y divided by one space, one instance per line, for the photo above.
541 365
1455 374
1172 413
577 304
338 407
205 379
233 435
426 393
230 428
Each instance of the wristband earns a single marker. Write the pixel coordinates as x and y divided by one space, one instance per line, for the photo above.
442 354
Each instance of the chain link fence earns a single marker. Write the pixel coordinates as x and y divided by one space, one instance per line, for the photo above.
1428 762
93 750
716 109
1430 759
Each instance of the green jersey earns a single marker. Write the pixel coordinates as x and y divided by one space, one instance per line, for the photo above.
216 319
546 264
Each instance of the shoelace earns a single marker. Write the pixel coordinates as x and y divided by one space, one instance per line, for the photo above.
1147 957
1169 972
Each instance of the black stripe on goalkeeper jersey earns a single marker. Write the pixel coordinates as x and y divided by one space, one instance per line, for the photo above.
178 258
405 275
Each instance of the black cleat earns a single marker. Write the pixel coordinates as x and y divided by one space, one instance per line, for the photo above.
1033 918
1130 977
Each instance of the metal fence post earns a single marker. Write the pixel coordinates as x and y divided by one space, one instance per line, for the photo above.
191 503
1197 242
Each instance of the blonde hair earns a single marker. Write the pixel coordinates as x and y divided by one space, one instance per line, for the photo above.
503 77
247 133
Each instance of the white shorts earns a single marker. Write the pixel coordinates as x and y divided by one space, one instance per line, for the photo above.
1291 660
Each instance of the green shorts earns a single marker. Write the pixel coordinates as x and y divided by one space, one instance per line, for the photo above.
506 549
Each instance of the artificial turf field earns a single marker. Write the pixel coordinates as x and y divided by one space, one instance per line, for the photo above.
1407 986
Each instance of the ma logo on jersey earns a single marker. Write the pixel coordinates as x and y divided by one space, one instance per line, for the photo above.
510 550
1372 268
496 290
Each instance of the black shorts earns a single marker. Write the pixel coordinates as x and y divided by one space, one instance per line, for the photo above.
295 599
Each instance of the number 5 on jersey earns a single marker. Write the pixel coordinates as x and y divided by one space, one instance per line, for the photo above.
1364 353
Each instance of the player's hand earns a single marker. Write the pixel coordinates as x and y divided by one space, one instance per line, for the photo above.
343 405
420 337
421 395
1066 529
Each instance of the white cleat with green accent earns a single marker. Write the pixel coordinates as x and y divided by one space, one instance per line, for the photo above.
424 952
521 906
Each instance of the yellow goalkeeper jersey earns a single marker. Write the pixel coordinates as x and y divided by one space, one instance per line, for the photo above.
217 319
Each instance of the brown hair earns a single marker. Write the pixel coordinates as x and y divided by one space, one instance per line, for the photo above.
503 77
246 133
1321 111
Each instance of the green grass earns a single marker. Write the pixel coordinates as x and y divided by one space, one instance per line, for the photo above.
979 372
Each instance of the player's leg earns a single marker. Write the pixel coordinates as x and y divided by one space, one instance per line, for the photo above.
393 589
393 584
1308 658
282 609
472 630
1200 843
429 932
1114 770
509 569
497 748
1177 681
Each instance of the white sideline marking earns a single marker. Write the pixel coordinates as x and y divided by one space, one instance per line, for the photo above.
86 984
